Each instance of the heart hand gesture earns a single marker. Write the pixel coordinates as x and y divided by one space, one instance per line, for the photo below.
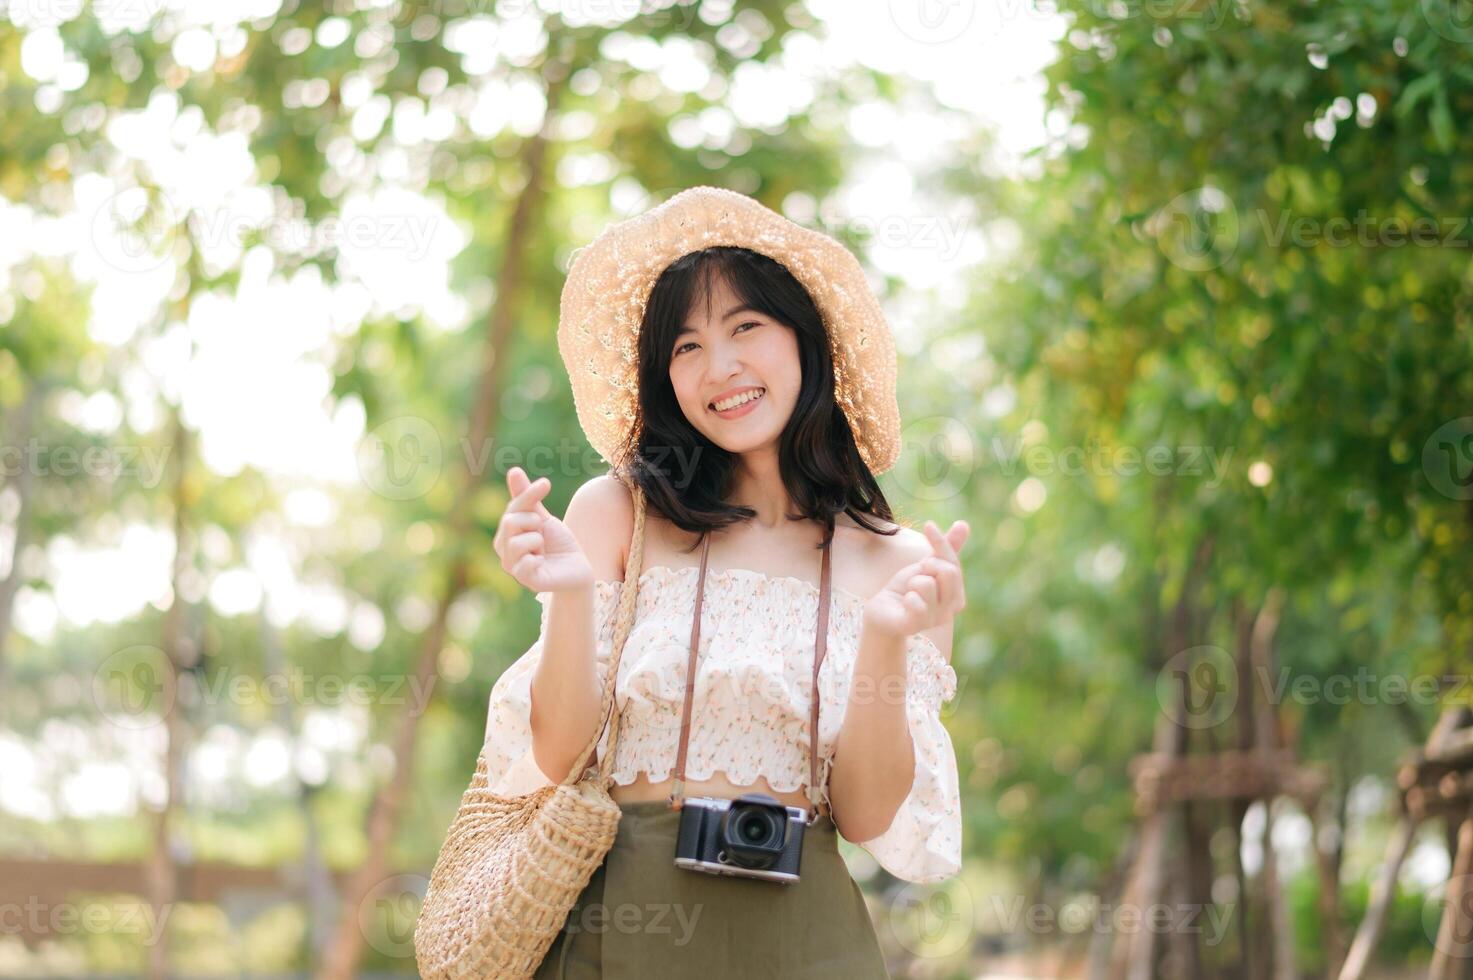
535 547
924 593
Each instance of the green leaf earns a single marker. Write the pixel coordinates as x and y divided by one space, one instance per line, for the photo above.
1416 91
1442 121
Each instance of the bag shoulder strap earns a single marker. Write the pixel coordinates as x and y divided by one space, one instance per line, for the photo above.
677 794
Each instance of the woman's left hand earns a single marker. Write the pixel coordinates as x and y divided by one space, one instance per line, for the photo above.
924 593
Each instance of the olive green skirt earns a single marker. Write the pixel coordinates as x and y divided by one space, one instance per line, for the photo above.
640 916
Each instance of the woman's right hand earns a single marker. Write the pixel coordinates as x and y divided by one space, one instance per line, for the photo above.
535 547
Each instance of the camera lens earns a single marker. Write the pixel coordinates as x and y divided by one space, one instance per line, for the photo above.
753 832
754 826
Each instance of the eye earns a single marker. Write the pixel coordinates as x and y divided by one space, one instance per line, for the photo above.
750 323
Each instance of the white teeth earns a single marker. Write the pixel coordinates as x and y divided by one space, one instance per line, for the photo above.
741 399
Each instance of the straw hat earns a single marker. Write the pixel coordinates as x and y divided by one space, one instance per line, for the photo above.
603 304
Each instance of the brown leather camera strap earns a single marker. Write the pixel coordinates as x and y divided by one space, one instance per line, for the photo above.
820 647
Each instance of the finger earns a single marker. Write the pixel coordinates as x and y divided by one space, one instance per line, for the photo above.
516 523
516 480
511 552
524 544
541 510
957 535
915 604
530 499
525 565
517 483
953 592
534 492
519 487
940 543
953 588
938 570
923 585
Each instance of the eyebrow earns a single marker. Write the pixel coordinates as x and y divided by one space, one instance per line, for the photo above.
739 308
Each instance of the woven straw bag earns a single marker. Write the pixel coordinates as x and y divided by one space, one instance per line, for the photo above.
511 867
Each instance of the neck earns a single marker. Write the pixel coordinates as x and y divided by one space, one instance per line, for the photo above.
759 485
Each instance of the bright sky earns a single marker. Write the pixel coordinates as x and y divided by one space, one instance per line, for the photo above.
252 370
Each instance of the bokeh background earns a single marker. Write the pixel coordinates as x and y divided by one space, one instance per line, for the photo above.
1181 291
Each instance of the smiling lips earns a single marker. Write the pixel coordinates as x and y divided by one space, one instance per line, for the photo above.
738 405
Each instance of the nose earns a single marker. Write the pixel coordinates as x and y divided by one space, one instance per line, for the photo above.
723 364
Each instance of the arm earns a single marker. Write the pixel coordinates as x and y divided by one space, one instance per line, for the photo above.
566 690
874 755
874 765
566 682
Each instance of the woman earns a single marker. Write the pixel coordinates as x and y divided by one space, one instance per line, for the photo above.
736 369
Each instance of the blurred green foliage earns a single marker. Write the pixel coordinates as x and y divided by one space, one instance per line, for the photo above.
1219 330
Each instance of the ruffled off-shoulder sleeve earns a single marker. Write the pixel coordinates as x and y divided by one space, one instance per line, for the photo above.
924 841
510 766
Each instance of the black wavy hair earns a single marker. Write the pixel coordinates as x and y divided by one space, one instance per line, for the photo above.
685 476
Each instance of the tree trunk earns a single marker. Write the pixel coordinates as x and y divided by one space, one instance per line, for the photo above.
1113 897
1248 966
1328 867
1192 890
346 948
1133 956
1195 886
1281 924
1451 953
316 891
24 419
1379 904
1267 738
180 654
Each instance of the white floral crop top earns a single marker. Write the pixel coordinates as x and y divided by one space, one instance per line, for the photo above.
750 708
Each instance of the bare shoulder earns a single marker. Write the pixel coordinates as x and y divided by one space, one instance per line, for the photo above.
907 545
601 516
887 553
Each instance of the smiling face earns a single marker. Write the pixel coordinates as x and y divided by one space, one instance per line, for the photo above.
727 352
716 322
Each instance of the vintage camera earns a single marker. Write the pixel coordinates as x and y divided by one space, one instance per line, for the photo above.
752 836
